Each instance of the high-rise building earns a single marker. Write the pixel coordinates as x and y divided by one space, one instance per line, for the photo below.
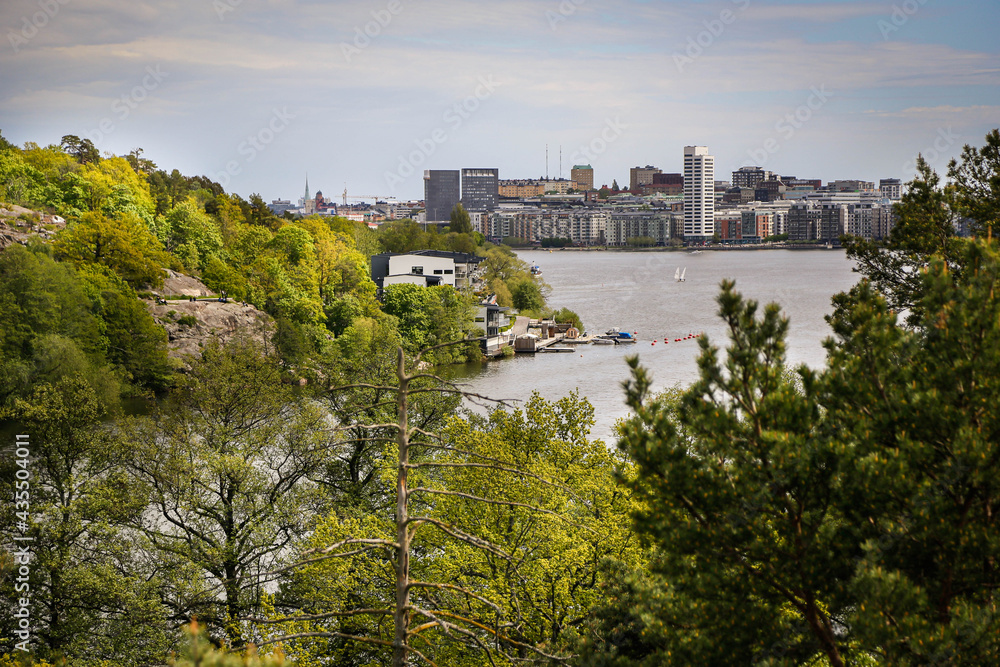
441 192
891 188
639 176
749 177
699 194
583 176
480 189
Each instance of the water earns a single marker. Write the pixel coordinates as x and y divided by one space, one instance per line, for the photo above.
637 292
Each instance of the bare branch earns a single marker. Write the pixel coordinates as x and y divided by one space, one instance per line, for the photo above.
317 617
509 503
460 589
327 633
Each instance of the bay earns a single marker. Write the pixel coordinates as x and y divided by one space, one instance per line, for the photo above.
637 291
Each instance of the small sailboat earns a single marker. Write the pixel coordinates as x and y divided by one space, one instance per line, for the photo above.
679 275
683 272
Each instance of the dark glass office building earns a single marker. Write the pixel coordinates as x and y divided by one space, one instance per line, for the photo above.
442 190
480 189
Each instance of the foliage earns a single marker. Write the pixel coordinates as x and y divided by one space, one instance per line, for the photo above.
501 522
51 327
122 244
975 183
429 316
556 242
20 183
564 315
191 235
738 499
914 408
460 223
227 467
93 593
526 295
199 652
82 149
358 395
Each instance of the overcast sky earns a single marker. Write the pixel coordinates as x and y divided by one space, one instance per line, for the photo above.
368 94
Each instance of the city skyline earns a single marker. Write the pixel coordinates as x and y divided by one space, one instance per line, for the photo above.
255 93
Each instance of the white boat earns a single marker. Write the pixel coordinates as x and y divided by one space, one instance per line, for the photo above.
679 275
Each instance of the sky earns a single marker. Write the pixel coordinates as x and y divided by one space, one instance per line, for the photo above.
365 95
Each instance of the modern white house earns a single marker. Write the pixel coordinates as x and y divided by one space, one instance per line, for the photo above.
425 267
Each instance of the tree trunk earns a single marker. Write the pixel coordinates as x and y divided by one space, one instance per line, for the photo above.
401 617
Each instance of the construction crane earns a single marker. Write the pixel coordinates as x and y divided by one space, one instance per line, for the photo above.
372 197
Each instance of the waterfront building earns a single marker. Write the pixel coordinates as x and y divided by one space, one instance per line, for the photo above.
442 190
424 267
803 220
891 188
883 220
623 225
699 194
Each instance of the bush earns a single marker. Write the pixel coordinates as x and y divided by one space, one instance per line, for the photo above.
187 320
567 315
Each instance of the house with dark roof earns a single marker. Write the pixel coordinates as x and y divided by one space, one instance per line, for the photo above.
425 267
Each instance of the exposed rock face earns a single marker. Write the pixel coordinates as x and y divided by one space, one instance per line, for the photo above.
14 229
178 284
213 320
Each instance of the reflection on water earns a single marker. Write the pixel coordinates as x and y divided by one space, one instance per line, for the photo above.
638 292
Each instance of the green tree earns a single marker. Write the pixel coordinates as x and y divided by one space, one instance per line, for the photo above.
526 295
485 557
430 316
975 183
227 469
460 220
737 488
191 235
93 595
564 315
49 328
82 149
125 245
914 410
20 183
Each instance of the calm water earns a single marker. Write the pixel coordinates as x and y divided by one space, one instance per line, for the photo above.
638 293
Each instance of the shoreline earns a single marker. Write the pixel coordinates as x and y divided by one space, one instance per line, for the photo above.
691 249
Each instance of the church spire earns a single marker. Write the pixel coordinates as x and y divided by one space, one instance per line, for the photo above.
307 187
